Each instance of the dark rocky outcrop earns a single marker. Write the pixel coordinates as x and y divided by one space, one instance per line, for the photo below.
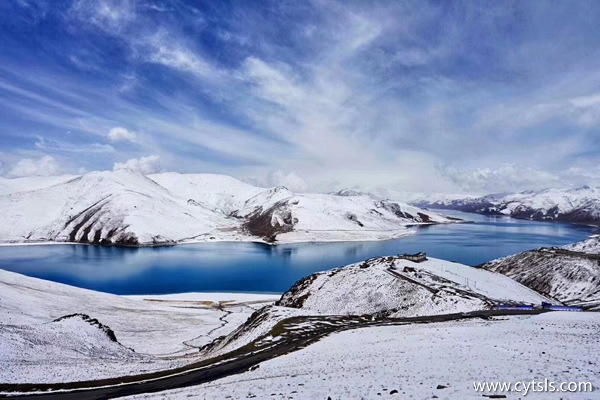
92 321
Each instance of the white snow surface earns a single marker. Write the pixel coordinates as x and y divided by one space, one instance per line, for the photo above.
159 333
216 297
221 193
579 205
433 287
372 363
14 185
571 278
125 207
591 245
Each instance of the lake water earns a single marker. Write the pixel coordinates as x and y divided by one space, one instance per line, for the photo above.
250 267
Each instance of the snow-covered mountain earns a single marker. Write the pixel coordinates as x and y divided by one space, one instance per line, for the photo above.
581 205
383 287
121 207
281 213
126 208
398 287
570 274
590 246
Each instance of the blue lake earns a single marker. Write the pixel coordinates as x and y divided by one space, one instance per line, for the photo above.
250 267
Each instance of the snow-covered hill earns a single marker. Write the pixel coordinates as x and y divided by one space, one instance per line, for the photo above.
289 217
383 287
591 245
50 332
126 208
570 274
121 207
398 287
581 205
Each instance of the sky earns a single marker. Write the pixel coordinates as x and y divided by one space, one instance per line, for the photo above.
441 96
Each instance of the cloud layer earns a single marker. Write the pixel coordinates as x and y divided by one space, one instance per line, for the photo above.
504 96
44 166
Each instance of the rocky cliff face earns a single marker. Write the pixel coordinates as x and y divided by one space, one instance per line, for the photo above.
570 275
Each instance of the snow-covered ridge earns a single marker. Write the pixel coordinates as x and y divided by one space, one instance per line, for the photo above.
382 287
570 274
591 245
398 287
126 208
580 205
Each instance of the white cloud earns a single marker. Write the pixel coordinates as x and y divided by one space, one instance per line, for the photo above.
109 15
289 180
280 178
170 52
577 176
506 178
52 145
144 165
44 166
118 134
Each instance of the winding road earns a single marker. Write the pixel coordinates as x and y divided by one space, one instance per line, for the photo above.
292 334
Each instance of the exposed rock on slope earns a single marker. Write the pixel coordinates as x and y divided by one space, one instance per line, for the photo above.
394 286
381 287
570 275
121 207
278 214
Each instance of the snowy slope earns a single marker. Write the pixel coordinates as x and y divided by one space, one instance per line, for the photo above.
581 205
121 207
439 360
8 186
590 245
279 214
221 193
394 286
159 333
73 343
383 286
126 208
572 278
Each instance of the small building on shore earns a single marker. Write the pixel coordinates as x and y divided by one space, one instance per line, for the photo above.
417 257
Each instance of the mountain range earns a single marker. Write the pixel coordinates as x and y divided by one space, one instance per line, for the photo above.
580 205
124 207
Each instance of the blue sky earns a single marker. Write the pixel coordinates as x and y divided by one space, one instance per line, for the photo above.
318 95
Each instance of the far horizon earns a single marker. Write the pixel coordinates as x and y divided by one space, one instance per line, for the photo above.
378 191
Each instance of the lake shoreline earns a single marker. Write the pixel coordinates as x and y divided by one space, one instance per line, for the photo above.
258 267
